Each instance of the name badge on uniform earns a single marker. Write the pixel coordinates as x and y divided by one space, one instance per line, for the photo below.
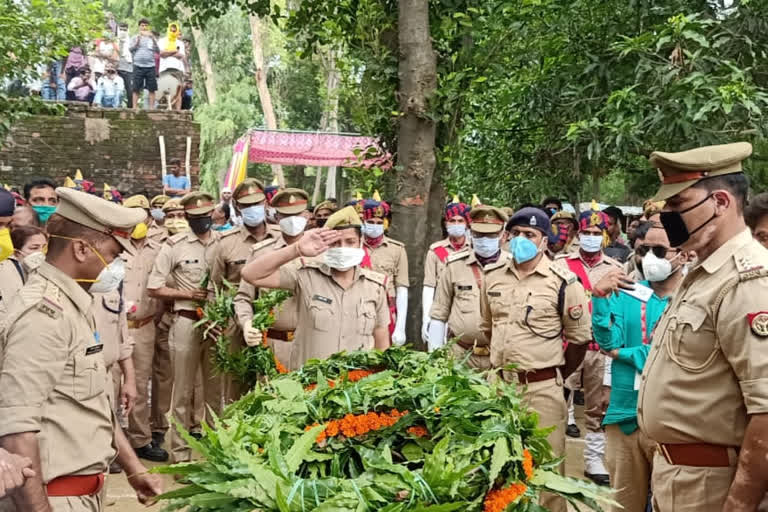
494 294
97 346
465 288
239 262
322 299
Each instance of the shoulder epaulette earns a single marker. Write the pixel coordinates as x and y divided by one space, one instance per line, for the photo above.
501 262
376 277
459 255
231 232
610 261
260 245
563 273
747 269
562 256
440 243
395 242
178 237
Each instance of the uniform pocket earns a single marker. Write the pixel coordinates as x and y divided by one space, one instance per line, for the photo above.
89 379
691 343
366 314
467 301
321 317
192 271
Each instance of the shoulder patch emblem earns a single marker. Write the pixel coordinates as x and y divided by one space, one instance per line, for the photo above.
758 322
563 273
747 270
49 308
231 232
376 277
576 312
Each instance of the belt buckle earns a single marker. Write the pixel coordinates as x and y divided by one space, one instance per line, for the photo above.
481 351
665 453
289 335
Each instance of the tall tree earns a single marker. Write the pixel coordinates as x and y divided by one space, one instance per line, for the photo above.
201 45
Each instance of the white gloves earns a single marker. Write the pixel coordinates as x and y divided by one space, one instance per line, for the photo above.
253 336
401 302
436 335
427 297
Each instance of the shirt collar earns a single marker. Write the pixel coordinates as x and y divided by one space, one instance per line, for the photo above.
66 284
726 251
542 267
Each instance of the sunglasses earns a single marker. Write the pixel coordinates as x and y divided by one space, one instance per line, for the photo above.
658 251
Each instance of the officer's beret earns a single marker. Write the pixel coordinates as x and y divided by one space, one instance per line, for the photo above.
345 218
684 169
7 203
530 217
98 214
290 201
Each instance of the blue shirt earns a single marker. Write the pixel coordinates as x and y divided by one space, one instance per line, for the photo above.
178 182
616 324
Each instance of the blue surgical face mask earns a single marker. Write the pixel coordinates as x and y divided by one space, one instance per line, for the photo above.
157 213
522 249
44 212
485 247
371 230
456 230
253 215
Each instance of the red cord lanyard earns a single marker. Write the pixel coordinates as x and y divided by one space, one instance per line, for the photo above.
644 325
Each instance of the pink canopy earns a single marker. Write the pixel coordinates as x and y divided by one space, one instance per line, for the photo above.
316 149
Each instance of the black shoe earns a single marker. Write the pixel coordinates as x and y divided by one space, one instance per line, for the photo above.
196 435
599 479
573 430
115 468
152 452
158 438
578 397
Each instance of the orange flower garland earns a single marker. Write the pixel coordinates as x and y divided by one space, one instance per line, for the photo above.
352 376
418 431
357 425
527 464
278 365
498 500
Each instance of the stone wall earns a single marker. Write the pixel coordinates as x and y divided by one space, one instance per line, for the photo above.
115 146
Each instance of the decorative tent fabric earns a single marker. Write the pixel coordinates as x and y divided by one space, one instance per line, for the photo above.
316 149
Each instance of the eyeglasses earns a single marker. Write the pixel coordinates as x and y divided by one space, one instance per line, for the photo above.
658 251
110 71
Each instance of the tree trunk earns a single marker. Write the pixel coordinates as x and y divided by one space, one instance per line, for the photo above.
415 147
261 82
202 53
332 93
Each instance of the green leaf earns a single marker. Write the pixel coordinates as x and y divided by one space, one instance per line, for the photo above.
499 458
301 447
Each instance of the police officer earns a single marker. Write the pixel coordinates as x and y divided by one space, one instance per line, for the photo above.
590 264
324 210
157 229
528 306
388 257
341 306
456 219
563 234
457 300
704 390
187 258
54 405
141 310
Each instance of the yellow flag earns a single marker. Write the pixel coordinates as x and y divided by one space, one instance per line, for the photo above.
376 196
107 194
358 196
475 201
594 206
455 198
78 175
68 183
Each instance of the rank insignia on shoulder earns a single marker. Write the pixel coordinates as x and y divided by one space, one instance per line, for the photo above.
758 322
576 312
50 308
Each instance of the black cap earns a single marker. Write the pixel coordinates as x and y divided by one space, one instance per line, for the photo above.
7 203
531 218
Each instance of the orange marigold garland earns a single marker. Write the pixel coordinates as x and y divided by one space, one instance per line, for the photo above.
418 431
527 464
497 500
357 425
278 365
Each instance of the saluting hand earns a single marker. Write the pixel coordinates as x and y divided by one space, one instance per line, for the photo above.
612 282
317 241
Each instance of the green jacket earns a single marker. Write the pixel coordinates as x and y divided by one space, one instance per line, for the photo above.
616 324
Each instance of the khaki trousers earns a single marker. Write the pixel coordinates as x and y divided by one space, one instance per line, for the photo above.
689 488
139 431
190 353
283 351
477 362
630 462
77 504
162 377
594 366
234 389
546 398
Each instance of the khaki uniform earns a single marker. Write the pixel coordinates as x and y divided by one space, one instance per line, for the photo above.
57 386
12 276
389 258
157 233
525 322
330 318
141 311
434 265
707 371
112 330
187 260
457 302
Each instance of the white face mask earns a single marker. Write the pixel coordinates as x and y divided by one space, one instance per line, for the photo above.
294 225
373 230
109 278
656 269
253 215
343 258
157 214
591 243
485 246
456 230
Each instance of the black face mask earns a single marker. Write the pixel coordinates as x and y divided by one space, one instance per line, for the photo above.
320 222
674 225
200 225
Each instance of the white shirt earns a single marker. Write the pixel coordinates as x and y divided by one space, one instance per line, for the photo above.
171 62
111 87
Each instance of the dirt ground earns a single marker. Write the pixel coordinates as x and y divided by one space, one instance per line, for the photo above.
123 499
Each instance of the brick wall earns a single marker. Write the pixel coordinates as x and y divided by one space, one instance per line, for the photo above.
115 146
